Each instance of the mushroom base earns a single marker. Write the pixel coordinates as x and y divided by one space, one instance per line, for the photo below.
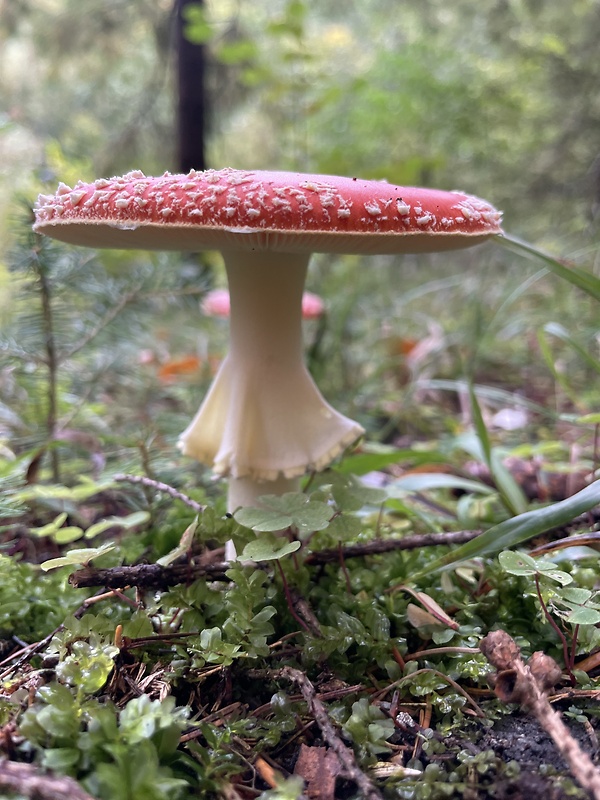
244 492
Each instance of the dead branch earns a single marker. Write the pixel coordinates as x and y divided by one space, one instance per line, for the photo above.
527 684
345 755
159 486
146 576
379 546
156 577
28 781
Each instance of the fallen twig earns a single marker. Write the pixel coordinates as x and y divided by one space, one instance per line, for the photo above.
378 546
345 755
160 487
146 576
155 576
527 684
28 781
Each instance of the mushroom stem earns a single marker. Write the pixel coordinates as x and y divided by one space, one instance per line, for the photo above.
243 492
264 423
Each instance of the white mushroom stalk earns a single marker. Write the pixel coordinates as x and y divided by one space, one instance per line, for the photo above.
264 422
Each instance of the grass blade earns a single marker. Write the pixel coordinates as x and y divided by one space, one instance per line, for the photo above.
519 529
558 330
581 278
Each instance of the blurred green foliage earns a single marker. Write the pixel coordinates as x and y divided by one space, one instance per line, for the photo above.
475 375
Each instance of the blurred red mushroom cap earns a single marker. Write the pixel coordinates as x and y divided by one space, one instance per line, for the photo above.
216 303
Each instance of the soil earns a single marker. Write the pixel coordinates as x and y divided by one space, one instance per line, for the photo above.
542 770
520 738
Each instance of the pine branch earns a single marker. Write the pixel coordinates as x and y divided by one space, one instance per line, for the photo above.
51 359
102 324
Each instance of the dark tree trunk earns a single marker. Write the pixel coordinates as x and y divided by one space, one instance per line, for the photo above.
191 95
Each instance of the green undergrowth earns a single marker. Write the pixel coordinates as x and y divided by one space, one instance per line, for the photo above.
176 691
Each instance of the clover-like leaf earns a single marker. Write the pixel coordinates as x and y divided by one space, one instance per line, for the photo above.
291 510
517 563
521 564
268 548
350 494
583 615
576 594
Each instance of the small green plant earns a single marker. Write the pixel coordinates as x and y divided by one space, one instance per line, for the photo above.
369 728
577 607
127 754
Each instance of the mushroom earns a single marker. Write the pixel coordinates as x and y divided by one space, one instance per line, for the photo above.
216 303
263 422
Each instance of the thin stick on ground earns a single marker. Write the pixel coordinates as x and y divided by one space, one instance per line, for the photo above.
380 546
27 781
527 685
155 576
160 487
346 757
146 576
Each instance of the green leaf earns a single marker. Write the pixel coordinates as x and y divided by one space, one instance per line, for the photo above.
86 489
130 521
550 361
61 759
517 563
379 458
482 432
513 531
557 330
67 535
584 616
268 549
589 419
51 528
183 547
263 519
291 510
576 594
511 492
557 575
345 527
138 626
424 481
350 494
197 29
238 52
82 556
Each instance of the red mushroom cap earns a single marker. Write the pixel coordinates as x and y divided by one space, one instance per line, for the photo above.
282 211
216 303
312 306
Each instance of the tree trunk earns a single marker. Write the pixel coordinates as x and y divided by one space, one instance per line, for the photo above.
191 95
